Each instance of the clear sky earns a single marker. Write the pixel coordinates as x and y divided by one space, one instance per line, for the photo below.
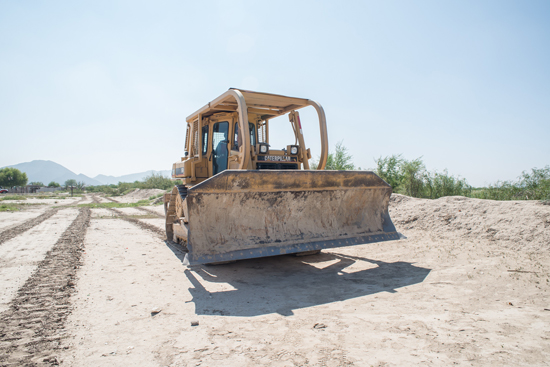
103 87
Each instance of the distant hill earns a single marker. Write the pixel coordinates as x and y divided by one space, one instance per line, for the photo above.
107 180
48 171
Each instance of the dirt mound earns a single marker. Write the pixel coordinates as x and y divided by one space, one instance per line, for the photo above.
140 194
515 224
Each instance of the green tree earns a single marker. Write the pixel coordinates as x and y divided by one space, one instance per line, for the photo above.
412 183
536 185
11 177
411 178
442 184
69 183
53 184
156 181
36 183
340 160
389 169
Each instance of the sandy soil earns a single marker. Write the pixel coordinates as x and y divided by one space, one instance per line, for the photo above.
19 256
157 222
159 209
137 195
101 199
134 212
10 219
102 213
54 202
468 286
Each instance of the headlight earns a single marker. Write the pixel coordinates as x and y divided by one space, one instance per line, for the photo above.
263 148
293 150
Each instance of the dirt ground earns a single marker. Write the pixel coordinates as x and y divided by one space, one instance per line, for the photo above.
468 286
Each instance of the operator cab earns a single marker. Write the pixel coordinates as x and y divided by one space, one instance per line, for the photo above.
214 141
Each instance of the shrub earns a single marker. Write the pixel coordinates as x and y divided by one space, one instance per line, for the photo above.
389 169
413 174
411 178
156 181
340 160
529 186
14 197
442 184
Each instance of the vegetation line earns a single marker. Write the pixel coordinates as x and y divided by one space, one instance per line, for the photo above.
411 178
115 204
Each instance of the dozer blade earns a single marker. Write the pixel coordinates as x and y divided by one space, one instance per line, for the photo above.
246 214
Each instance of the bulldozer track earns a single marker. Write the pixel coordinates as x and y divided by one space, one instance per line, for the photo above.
148 227
32 328
150 211
13 232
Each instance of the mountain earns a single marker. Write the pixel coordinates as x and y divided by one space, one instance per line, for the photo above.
107 180
48 171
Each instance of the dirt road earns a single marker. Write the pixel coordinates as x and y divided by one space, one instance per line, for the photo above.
101 287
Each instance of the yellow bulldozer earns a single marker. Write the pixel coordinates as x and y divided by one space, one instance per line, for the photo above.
241 199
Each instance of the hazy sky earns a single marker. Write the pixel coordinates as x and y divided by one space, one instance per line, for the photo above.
105 86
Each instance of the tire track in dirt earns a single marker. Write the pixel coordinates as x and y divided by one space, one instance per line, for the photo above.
31 330
13 232
150 211
140 208
148 227
142 225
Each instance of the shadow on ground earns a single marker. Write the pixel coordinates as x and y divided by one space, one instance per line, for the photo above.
282 284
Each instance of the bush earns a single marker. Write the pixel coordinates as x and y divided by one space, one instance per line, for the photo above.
413 174
340 160
156 181
389 169
442 184
14 197
529 186
411 178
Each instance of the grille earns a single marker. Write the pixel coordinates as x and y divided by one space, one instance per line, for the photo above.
276 166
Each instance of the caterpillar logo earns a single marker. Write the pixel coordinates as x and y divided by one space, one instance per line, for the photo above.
276 158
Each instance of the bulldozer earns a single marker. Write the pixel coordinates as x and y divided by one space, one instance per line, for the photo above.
242 199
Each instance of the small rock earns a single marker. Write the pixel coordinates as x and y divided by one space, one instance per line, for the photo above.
510 303
319 326
194 323
155 311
